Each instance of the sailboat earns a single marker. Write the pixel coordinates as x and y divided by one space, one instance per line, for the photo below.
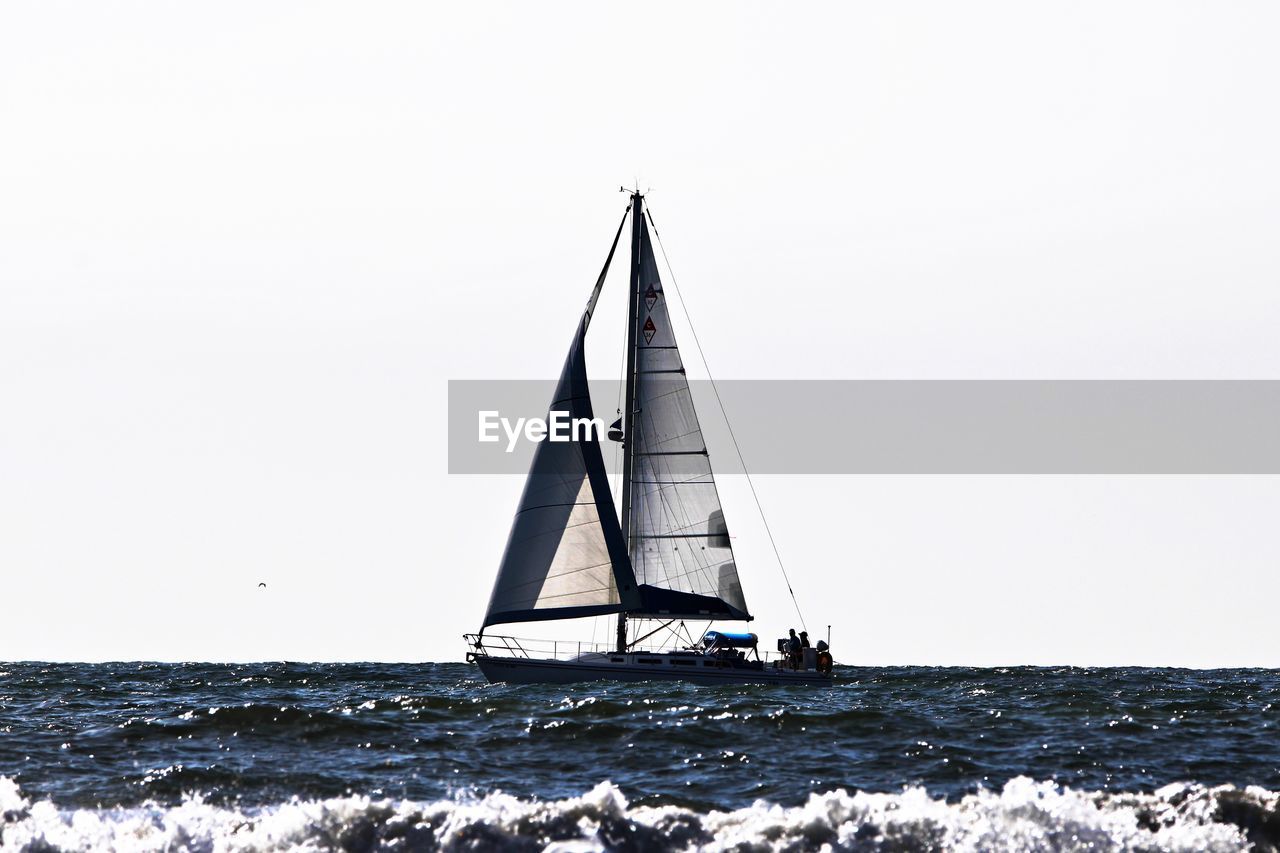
669 559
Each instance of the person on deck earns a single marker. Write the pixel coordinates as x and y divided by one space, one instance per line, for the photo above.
804 639
794 652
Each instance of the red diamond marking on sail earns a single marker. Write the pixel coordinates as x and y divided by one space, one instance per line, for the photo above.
649 330
650 297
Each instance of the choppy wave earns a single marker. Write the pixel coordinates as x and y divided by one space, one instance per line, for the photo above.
277 756
1023 815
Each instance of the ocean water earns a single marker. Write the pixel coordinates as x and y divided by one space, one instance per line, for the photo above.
423 757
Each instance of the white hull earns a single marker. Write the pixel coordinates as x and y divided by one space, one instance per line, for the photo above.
694 669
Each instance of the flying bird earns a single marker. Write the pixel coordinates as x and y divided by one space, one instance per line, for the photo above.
261 583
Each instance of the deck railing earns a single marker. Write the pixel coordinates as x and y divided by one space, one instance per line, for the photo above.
500 645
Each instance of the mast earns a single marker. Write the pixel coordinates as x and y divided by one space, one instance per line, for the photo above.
628 412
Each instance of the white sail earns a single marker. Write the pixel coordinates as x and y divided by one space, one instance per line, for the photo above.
679 545
565 556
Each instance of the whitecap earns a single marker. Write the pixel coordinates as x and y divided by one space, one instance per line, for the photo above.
1023 815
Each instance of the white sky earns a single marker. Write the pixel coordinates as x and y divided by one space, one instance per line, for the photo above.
243 247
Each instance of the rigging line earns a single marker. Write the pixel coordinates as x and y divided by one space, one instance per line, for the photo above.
759 508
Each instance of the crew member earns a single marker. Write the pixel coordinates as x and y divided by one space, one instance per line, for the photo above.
794 653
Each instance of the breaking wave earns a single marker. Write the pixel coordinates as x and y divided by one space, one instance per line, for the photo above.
1024 815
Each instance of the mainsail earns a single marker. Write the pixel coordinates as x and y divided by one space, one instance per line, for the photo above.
565 556
679 546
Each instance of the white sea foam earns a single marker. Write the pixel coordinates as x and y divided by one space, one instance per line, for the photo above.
1024 815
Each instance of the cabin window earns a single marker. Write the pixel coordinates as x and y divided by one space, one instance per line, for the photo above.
617 660
648 660
679 662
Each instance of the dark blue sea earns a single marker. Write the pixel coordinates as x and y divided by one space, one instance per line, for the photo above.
146 756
